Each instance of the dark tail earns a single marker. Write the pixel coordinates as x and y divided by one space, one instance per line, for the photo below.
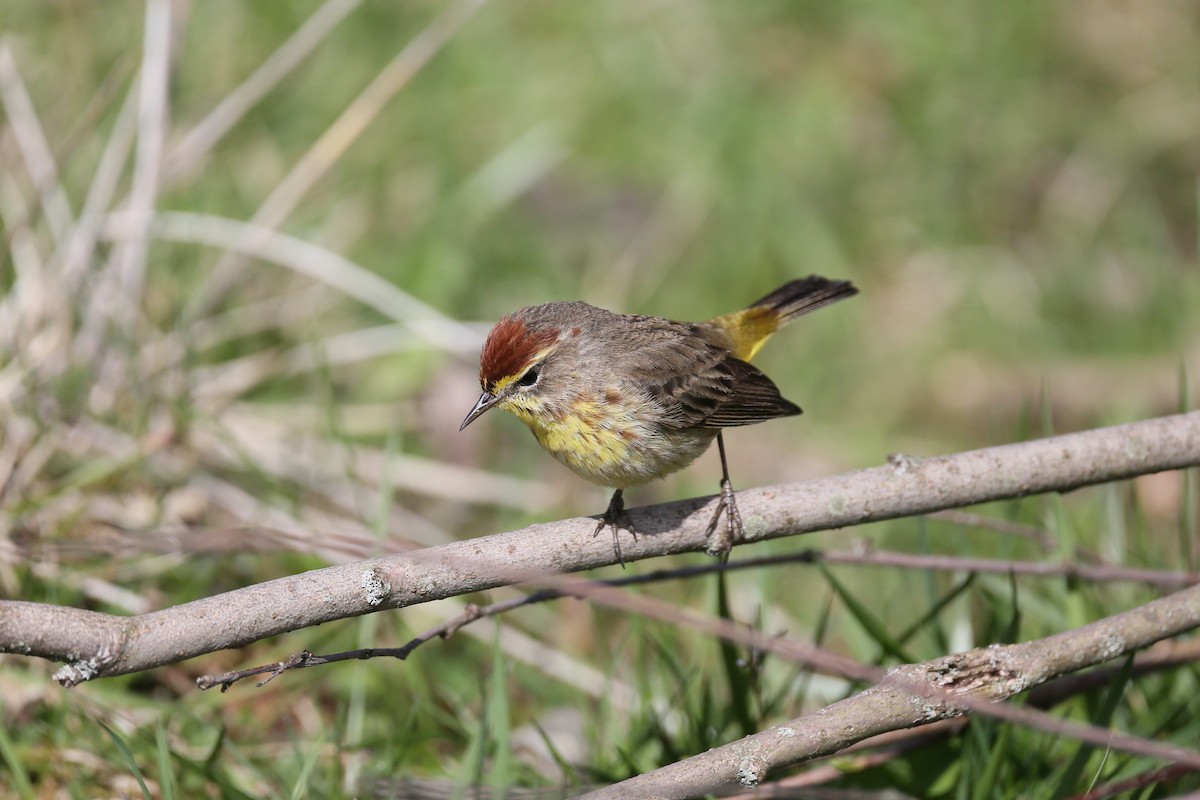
798 297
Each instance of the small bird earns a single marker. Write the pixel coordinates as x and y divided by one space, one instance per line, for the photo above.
623 399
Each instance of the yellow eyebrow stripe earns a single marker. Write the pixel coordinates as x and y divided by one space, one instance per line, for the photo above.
500 385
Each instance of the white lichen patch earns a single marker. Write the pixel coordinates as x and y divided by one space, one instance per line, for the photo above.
1019 683
77 672
1111 646
1136 447
751 769
786 732
754 527
376 588
926 709
749 773
902 464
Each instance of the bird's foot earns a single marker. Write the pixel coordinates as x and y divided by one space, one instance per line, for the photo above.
721 539
616 518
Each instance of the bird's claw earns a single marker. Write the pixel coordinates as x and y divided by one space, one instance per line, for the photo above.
616 518
721 541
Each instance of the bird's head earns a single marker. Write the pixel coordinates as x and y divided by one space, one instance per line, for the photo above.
518 356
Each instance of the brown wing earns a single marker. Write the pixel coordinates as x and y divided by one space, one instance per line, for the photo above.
698 382
754 398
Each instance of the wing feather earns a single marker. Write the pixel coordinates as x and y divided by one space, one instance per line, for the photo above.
697 381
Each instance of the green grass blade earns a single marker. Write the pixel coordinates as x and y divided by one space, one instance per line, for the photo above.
1189 518
867 620
1012 632
500 775
987 785
1068 784
127 754
937 608
165 782
19 778
302 782
736 677
805 679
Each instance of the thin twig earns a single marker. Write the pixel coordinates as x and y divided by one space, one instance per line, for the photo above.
956 516
1139 781
1161 579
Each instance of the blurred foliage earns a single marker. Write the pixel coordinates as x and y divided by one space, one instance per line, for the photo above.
1013 186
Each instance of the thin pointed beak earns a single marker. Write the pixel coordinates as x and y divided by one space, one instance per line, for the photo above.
483 404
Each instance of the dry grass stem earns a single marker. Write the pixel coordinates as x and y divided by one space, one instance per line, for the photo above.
204 136
35 147
283 451
128 267
337 139
103 188
312 261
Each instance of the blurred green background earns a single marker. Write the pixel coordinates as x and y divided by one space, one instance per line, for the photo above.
1014 188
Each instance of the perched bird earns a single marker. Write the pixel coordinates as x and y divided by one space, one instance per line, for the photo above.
623 399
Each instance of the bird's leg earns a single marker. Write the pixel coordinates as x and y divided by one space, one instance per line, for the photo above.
719 544
616 517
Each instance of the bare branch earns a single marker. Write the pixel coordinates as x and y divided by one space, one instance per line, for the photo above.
101 645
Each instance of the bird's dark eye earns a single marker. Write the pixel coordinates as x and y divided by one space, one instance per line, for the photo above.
529 378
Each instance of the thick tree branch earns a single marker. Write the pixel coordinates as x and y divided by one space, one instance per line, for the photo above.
100 645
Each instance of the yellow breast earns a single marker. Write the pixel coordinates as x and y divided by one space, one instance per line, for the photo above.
611 444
